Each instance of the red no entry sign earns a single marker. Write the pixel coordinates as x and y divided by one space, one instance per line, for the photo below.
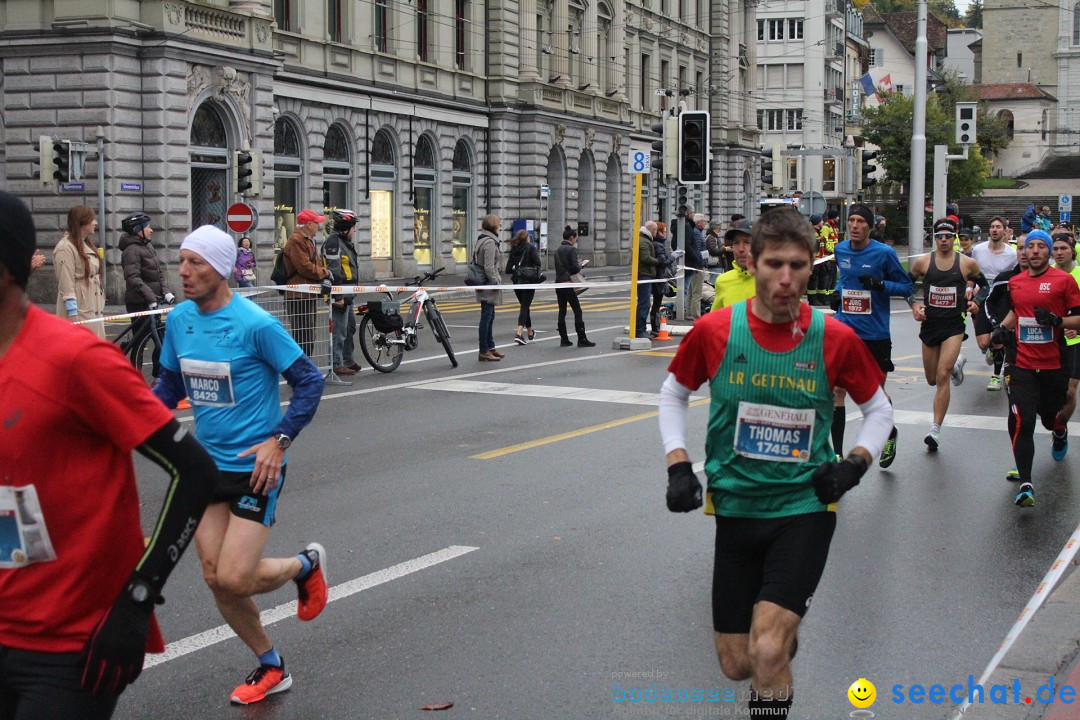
241 217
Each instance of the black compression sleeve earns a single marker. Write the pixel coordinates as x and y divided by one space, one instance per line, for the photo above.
193 478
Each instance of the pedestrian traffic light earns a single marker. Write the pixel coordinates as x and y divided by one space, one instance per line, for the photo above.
668 129
866 168
61 160
45 161
694 147
965 123
770 165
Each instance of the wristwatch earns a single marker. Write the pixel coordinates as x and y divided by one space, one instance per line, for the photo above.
140 591
283 441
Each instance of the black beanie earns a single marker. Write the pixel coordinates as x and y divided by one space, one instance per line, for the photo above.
862 211
17 235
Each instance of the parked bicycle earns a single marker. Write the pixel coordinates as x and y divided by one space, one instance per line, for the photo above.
385 335
141 342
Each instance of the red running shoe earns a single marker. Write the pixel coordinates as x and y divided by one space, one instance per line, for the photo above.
263 680
312 591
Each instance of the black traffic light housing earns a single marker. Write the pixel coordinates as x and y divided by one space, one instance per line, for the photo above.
61 161
242 172
767 167
866 169
694 147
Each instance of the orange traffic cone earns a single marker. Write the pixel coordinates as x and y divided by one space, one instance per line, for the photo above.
184 404
663 335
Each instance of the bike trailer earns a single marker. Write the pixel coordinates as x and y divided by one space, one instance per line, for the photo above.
386 315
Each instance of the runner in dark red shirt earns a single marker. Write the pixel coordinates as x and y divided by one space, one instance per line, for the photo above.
1045 302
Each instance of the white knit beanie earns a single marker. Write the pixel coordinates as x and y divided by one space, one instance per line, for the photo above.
214 246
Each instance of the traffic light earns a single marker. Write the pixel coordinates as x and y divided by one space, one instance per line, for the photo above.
965 123
247 172
866 169
242 171
694 147
45 160
668 129
61 161
682 198
770 165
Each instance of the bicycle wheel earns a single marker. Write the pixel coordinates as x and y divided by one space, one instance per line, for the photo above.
438 328
381 354
145 356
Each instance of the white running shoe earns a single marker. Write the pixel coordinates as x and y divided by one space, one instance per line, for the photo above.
994 384
958 371
931 440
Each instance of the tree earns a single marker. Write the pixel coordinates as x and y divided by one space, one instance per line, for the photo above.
889 126
974 16
944 9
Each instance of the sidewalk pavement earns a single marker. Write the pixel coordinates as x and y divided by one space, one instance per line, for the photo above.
1045 655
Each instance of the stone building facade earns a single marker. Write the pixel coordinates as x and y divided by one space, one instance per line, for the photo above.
422 116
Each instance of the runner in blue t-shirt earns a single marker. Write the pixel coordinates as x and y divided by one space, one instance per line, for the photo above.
225 354
869 273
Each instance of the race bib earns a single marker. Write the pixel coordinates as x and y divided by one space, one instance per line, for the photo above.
1033 333
769 432
24 539
942 297
856 302
207 383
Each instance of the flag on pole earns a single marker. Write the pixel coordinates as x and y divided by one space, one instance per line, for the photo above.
867 83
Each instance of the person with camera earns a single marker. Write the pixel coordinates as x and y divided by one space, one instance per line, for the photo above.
339 256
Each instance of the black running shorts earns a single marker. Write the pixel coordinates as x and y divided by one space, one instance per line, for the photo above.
935 331
1072 360
235 489
882 352
779 560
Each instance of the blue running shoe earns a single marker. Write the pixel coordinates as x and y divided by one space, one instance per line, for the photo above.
1013 475
1059 446
1026 496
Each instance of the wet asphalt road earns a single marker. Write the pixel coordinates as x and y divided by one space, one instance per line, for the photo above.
567 574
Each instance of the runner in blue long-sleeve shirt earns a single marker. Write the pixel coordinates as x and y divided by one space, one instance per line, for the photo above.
869 273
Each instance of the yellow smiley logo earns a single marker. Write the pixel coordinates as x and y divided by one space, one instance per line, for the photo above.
862 693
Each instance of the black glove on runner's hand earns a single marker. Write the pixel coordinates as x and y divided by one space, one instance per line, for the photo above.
684 490
114 652
834 301
1003 336
1046 318
869 282
833 479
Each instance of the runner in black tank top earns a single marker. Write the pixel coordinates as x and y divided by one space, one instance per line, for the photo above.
945 300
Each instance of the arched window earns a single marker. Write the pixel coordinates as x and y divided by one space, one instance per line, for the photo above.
287 174
1010 123
605 55
461 209
210 157
424 184
337 170
383 171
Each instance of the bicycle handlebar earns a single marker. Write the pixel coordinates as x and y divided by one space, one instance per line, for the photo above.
418 280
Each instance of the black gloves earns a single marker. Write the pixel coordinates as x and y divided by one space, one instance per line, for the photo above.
1003 336
113 654
869 282
833 479
327 284
1046 318
834 301
684 490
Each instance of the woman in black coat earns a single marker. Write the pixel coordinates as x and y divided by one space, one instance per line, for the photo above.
523 254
